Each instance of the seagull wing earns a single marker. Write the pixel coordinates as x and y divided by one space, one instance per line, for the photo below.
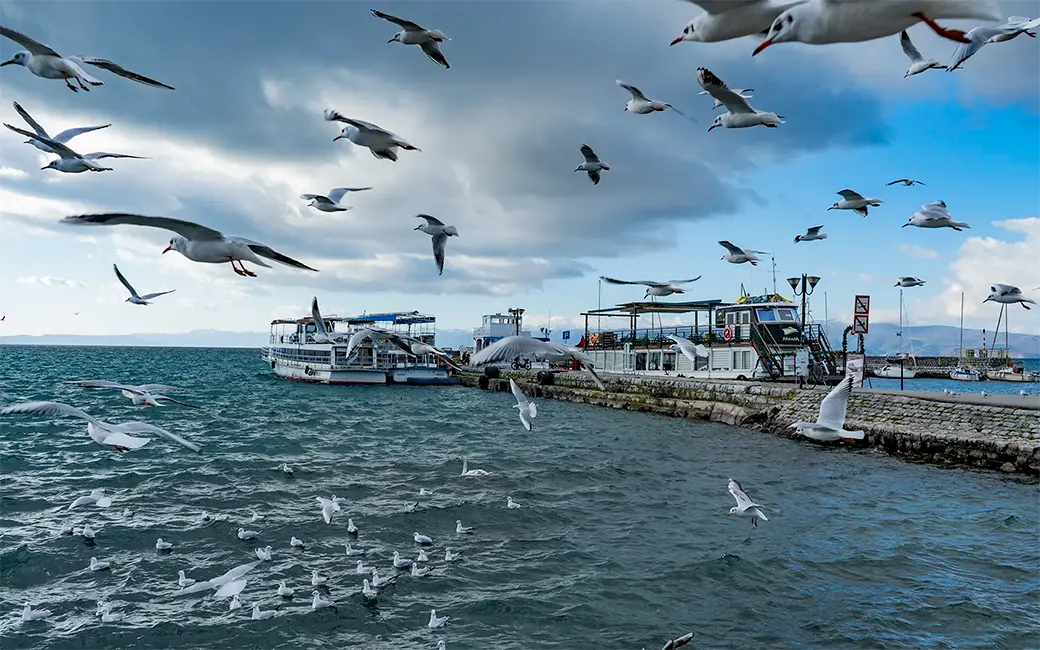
833 407
49 408
186 229
144 427
1006 290
170 399
590 155
35 47
271 254
733 101
648 283
96 383
721 6
521 399
815 230
115 68
977 38
438 251
525 419
849 195
161 388
338 193
731 248
33 123
683 281
103 154
688 350
743 501
406 24
133 292
319 322
149 296
56 147
510 347
433 51
899 180
333 116
908 48
69 134
635 92
430 221
678 643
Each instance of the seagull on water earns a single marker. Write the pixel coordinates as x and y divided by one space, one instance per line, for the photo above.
61 138
653 287
321 603
401 562
197 243
440 233
854 201
378 583
415 34
909 282
812 234
449 556
98 498
43 61
419 572
820 22
104 610
688 348
830 424
422 540
284 591
1006 294
96 565
264 554
740 114
641 105
328 507
145 394
512 505
87 532
909 182
134 297
317 579
184 581
436 621
70 161
745 506
162 546
737 255
235 603
934 215
263 615
460 529
30 614
288 471
528 410
981 36
592 165
367 590
296 543
918 64
103 433
422 556
351 528
256 517
510 347
244 534
331 201
725 20
362 569
382 143
353 551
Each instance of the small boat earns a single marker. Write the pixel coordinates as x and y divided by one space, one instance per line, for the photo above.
965 374
894 370
896 366
1012 373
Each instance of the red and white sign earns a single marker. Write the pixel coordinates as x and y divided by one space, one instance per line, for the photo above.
860 324
862 306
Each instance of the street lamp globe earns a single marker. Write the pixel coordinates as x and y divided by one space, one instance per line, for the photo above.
794 283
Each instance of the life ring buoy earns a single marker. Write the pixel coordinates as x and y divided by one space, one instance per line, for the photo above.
727 334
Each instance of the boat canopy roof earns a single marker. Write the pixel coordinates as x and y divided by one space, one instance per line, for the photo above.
403 318
648 307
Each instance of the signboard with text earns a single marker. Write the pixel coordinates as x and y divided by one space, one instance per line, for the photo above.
566 335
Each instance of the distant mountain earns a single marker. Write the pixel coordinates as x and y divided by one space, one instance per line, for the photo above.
933 340
192 339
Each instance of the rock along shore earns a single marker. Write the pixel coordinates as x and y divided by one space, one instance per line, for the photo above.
995 432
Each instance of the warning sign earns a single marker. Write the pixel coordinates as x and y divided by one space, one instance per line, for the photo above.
862 305
860 324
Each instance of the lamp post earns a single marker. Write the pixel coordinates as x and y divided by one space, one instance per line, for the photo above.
517 313
803 287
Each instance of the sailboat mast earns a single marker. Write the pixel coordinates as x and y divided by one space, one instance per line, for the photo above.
960 352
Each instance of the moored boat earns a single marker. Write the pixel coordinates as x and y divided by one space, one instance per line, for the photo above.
1013 372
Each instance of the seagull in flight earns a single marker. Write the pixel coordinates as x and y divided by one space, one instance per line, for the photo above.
321 333
103 433
43 61
654 288
917 62
331 201
197 243
739 91
440 233
909 282
134 298
528 411
745 506
1008 294
592 165
382 143
934 215
510 347
725 20
70 161
640 105
740 114
740 255
909 182
672 644
61 138
688 348
414 34
854 201
143 395
981 36
830 425
812 234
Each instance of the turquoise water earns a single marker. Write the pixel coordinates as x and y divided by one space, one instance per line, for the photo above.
622 541
938 385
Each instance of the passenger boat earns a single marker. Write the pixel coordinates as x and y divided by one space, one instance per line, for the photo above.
293 353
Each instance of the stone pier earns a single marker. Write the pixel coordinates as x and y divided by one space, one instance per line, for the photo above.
1000 432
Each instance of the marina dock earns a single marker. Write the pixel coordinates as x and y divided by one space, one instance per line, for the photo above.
993 432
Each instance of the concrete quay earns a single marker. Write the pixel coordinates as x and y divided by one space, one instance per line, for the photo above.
1000 433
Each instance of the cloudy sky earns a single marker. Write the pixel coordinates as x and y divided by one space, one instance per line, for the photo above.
243 136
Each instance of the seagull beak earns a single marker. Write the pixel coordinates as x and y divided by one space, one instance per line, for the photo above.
905 225
337 138
167 249
45 168
712 127
392 39
6 63
763 45
987 299
678 40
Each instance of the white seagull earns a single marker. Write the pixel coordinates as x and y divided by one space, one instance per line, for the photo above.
419 572
235 603
367 589
328 507
672 644
362 569
854 201
414 34
321 335
285 591
143 395
909 182
592 165
934 215
688 348
440 233
737 255
382 143
1008 294
353 551
97 565
725 20
317 579
98 498
331 202
351 528
70 161
528 410
436 621
321 603
61 138
401 562
640 104
918 64
510 347
740 113
740 91
288 471
830 424
30 614
134 297
745 506
263 615
44 62
466 471
512 505
263 554
296 543
197 243
653 287
909 282
980 36
162 546
460 529
103 433
422 540
812 234
449 556
244 534
184 581
820 22
422 556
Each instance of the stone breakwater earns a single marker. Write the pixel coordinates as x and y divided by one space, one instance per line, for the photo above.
935 429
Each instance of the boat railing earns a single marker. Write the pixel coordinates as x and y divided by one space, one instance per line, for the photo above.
658 337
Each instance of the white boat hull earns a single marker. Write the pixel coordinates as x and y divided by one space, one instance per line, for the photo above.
328 376
893 372
1003 375
961 374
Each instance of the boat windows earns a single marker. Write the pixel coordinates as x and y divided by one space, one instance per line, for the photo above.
786 314
765 315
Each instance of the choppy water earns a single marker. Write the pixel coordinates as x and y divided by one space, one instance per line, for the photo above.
622 540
